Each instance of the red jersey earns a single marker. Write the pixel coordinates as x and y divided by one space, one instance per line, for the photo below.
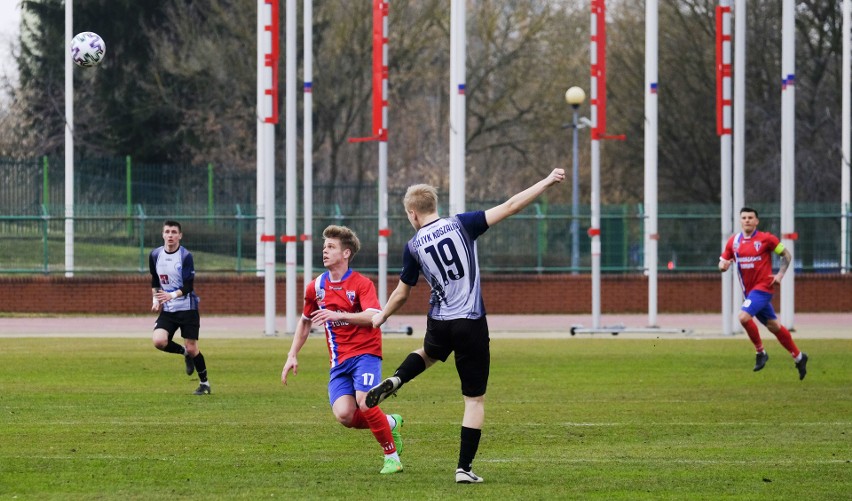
354 293
754 259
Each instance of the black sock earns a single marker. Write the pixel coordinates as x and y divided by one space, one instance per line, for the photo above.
469 445
173 347
410 367
200 367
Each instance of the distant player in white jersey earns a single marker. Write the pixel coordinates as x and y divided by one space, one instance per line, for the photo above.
172 280
444 251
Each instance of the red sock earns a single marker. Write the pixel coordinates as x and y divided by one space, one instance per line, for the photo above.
358 420
380 428
786 341
754 335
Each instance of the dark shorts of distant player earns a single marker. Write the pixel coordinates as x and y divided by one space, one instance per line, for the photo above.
187 321
470 342
758 304
359 373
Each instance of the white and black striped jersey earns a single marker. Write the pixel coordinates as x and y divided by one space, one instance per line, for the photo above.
173 271
445 252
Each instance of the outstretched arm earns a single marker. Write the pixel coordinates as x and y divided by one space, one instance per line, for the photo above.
397 298
517 203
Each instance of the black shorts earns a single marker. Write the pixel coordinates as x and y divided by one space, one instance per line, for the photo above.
187 321
470 342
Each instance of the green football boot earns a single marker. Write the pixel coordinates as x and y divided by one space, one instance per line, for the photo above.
396 431
391 466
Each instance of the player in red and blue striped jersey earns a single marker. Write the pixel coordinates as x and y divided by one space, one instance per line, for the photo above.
751 250
343 302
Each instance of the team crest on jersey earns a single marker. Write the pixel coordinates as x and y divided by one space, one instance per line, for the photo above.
320 294
757 246
350 295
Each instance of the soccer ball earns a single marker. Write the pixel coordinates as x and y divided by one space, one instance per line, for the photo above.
87 49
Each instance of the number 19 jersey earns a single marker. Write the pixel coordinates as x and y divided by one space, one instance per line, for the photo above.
445 252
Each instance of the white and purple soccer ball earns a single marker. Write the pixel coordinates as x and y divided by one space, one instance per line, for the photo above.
87 49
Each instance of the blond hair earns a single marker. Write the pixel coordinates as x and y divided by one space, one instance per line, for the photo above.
421 198
348 238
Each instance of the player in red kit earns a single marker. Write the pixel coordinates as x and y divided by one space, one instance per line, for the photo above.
751 251
343 302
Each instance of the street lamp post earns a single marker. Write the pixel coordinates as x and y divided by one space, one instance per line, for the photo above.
575 97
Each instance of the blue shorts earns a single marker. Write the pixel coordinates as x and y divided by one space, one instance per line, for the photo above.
355 374
759 305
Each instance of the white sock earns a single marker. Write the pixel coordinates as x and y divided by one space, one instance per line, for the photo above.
394 455
798 358
391 420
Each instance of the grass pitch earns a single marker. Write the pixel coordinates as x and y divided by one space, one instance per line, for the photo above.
576 418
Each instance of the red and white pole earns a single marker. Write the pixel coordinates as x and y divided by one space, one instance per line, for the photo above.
267 113
723 130
380 132
290 237
380 80
598 112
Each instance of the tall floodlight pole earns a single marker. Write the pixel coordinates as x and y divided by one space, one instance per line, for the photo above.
267 112
723 130
308 142
788 156
69 144
845 209
740 34
458 51
290 152
652 236
575 97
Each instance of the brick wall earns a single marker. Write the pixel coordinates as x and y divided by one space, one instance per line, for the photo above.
504 294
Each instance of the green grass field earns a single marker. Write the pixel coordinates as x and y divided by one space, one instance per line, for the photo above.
576 418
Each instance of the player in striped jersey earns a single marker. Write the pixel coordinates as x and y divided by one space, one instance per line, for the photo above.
752 250
172 287
343 301
444 251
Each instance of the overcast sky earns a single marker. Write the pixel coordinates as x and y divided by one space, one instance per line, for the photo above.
10 18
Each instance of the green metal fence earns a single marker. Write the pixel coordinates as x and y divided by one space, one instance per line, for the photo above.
108 240
120 208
